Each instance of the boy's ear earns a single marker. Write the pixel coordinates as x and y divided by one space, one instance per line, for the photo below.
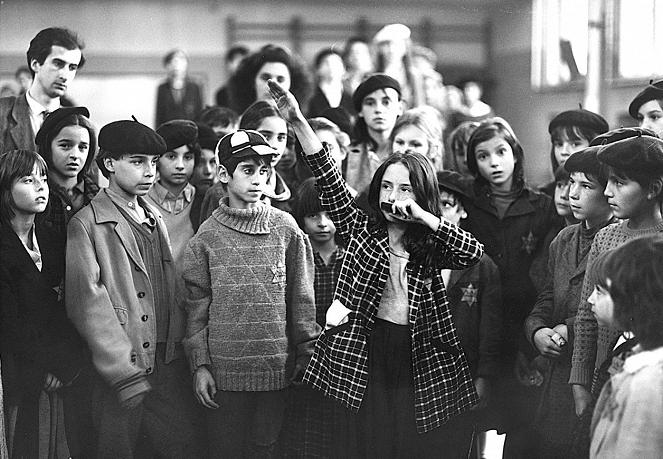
109 164
655 188
224 176
461 211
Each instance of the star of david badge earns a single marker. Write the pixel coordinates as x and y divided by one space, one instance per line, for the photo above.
529 243
470 294
279 274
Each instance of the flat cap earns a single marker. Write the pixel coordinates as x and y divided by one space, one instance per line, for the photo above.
207 137
581 118
54 118
177 133
241 144
652 92
373 83
452 181
131 137
587 162
392 32
620 134
642 154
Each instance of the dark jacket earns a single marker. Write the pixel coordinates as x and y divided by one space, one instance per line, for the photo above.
475 300
319 103
35 335
15 125
513 242
187 109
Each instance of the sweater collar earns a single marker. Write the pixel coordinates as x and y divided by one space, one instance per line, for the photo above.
250 221
642 359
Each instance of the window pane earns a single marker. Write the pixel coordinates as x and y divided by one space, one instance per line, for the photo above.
639 43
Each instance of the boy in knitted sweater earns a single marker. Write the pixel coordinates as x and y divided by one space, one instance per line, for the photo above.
250 305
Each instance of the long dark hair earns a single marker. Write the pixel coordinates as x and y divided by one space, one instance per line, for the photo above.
15 164
489 128
44 147
242 83
418 239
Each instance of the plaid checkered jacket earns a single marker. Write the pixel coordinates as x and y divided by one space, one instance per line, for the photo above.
339 366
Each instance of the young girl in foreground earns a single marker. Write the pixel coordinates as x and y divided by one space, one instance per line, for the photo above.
41 352
627 420
391 354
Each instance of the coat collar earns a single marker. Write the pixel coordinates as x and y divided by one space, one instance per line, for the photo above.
106 212
524 203
21 131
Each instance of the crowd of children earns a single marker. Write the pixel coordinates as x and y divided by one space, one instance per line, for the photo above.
271 285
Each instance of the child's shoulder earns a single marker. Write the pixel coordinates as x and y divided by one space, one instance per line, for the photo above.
538 198
281 219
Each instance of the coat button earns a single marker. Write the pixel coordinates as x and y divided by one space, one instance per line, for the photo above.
141 294
144 318
146 345
137 268
149 371
133 358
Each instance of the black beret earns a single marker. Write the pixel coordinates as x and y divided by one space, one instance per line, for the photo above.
585 160
652 92
54 118
620 134
131 137
207 138
177 133
373 83
642 154
452 181
581 118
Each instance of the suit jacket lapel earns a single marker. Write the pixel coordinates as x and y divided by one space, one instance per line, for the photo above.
21 131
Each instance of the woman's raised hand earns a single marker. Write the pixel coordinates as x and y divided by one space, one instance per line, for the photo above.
285 101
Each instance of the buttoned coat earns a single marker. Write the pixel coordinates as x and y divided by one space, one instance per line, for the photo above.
15 124
109 294
339 367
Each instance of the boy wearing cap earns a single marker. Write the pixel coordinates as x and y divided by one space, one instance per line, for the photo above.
377 102
120 280
172 194
634 191
475 298
549 326
647 107
250 326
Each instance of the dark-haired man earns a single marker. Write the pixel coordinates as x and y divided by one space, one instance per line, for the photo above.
54 56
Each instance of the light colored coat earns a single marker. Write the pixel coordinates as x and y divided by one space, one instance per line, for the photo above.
109 295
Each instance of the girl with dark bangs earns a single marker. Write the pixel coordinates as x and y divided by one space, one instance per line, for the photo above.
390 355
627 418
511 220
40 350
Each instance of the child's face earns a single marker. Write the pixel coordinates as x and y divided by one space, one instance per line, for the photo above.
452 209
412 139
359 58
247 184
275 131
276 71
650 116
319 227
395 186
565 147
335 150
602 305
176 167
30 193
69 150
380 109
562 198
331 68
132 175
205 172
626 197
586 199
495 162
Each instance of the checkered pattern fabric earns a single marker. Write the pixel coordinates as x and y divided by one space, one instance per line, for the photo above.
324 284
339 367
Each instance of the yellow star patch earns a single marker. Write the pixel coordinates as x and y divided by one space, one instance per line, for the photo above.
470 294
529 243
279 274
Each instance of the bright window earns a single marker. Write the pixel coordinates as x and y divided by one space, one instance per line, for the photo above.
559 41
639 38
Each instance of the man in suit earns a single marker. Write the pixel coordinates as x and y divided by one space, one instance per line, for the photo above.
54 57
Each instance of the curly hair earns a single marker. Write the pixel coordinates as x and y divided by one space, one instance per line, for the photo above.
242 87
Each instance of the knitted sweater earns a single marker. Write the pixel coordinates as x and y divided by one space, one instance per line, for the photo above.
249 302
593 343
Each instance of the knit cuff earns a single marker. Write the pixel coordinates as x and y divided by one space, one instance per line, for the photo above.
582 375
131 387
